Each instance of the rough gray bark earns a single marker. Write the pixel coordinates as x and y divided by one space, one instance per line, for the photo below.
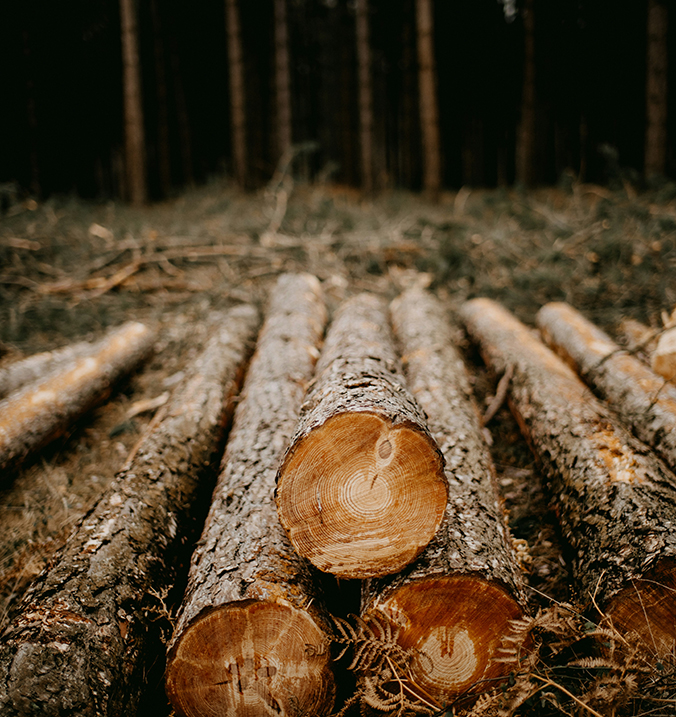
361 490
250 637
615 499
458 597
81 641
642 399
41 411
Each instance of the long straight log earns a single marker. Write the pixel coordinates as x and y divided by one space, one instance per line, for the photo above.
88 628
615 499
641 398
251 638
454 604
361 490
43 410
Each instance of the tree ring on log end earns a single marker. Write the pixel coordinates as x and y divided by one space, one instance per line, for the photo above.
250 659
454 625
647 608
360 497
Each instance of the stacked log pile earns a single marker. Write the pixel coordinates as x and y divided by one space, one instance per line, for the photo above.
86 631
370 465
616 501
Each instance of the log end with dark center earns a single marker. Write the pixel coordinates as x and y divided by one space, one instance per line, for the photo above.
251 659
360 497
647 609
454 625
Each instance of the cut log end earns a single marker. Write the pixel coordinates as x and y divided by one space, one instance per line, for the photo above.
454 625
362 497
251 659
648 610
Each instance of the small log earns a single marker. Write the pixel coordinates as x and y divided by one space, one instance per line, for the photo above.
88 629
615 499
361 490
641 398
638 338
41 411
251 636
29 369
663 359
454 604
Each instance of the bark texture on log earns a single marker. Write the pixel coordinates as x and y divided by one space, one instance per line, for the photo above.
638 338
32 417
251 639
615 499
641 398
361 490
454 604
663 359
86 629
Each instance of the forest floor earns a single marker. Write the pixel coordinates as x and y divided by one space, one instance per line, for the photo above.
69 269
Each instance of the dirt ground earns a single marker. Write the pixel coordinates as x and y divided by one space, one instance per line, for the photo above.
69 270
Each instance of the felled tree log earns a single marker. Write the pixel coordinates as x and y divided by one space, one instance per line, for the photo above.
453 605
88 628
615 499
19 373
251 637
43 410
361 490
638 337
638 395
663 358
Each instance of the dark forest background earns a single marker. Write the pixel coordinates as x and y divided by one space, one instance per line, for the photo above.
62 118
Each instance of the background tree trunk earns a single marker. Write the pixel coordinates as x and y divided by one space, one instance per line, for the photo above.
525 137
656 90
182 116
429 108
31 115
282 80
134 133
365 94
237 93
163 148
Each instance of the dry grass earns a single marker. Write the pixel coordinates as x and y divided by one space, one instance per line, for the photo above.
69 269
